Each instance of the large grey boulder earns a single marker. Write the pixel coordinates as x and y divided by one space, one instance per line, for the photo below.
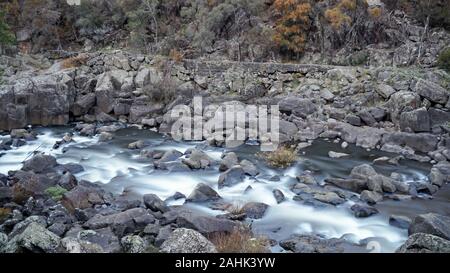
76 246
203 193
416 120
184 240
142 78
255 210
385 90
402 101
104 237
432 91
153 202
436 177
83 104
108 85
424 243
228 161
83 197
232 177
122 223
316 244
362 172
431 223
35 238
133 244
198 160
206 225
297 106
421 142
355 185
249 167
40 163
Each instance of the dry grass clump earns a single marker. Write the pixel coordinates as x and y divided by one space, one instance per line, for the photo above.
235 208
4 214
75 61
175 55
240 241
20 194
283 157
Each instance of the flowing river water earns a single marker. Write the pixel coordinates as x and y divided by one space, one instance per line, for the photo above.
119 169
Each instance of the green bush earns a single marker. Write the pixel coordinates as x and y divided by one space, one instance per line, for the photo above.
56 192
444 60
6 36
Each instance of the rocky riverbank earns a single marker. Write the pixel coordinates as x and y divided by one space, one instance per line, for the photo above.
45 208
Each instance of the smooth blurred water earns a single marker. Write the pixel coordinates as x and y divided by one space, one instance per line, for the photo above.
119 169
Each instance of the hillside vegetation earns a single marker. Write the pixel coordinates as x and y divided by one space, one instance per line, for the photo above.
250 30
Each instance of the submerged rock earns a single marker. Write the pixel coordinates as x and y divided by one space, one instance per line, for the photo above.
279 196
399 221
363 211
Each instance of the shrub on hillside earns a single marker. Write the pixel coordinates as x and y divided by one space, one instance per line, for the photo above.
444 60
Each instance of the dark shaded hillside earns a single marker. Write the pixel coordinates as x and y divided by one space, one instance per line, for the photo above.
345 32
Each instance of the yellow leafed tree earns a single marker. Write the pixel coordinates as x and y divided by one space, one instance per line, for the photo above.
293 25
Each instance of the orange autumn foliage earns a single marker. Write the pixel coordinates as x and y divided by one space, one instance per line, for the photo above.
292 27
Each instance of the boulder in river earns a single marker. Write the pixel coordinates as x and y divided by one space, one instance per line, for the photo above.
425 243
329 198
136 145
40 163
153 202
355 185
279 196
363 210
228 161
362 172
249 167
203 193
232 177
198 160
431 223
399 221
371 197
184 240
255 210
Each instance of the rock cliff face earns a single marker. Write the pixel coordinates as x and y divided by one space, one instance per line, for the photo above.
39 100
402 110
